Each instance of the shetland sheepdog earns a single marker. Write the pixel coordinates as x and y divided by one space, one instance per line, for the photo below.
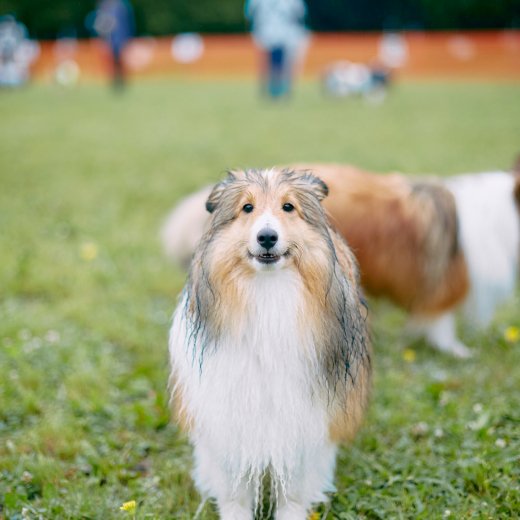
270 362
430 246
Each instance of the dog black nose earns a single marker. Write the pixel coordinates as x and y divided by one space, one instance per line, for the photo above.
267 238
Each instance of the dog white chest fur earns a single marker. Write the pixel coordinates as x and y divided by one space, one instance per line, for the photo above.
257 404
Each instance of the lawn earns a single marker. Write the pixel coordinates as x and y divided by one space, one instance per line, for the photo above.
86 295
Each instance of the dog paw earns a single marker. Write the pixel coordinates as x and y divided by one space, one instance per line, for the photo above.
457 349
234 511
291 511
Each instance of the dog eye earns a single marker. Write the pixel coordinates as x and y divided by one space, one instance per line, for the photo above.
288 207
248 208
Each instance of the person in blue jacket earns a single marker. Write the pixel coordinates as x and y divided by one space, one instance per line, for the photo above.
114 22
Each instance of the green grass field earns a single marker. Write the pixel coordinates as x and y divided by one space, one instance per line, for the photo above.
86 178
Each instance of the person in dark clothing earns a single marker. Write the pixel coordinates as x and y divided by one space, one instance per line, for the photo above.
114 22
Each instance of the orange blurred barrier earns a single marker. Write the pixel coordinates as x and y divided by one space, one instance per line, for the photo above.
445 55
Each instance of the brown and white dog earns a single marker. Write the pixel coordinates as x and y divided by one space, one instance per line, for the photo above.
270 362
429 246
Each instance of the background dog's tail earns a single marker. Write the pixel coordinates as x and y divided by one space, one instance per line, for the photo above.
444 270
438 211
184 227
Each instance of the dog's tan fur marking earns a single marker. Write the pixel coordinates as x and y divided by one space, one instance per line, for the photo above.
177 408
346 419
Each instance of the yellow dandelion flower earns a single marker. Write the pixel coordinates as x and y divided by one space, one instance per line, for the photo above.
409 355
89 251
129 507
512 334
314 516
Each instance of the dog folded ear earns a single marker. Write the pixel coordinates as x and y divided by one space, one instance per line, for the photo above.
216 193
318 187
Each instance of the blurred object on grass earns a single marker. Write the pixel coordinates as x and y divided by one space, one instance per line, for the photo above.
345 78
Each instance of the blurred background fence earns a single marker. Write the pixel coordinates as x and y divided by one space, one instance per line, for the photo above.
464 55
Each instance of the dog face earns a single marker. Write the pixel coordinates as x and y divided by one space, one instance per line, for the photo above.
266 220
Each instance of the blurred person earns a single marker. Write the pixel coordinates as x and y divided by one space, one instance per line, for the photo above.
17 52
114 22
278 29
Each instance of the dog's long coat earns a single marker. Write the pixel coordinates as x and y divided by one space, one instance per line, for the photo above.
269 351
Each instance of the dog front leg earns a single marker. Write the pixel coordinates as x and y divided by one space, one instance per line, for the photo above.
234 499
308 484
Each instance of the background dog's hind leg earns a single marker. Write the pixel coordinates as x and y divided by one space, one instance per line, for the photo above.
440 333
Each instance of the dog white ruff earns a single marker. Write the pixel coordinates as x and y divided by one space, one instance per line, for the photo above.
278 420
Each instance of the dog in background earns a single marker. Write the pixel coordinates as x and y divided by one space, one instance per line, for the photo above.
270 362
430 246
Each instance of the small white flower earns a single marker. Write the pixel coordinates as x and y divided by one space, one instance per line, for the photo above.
446 513
438 433
477 408
420 429
500 443
480 422
27 477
